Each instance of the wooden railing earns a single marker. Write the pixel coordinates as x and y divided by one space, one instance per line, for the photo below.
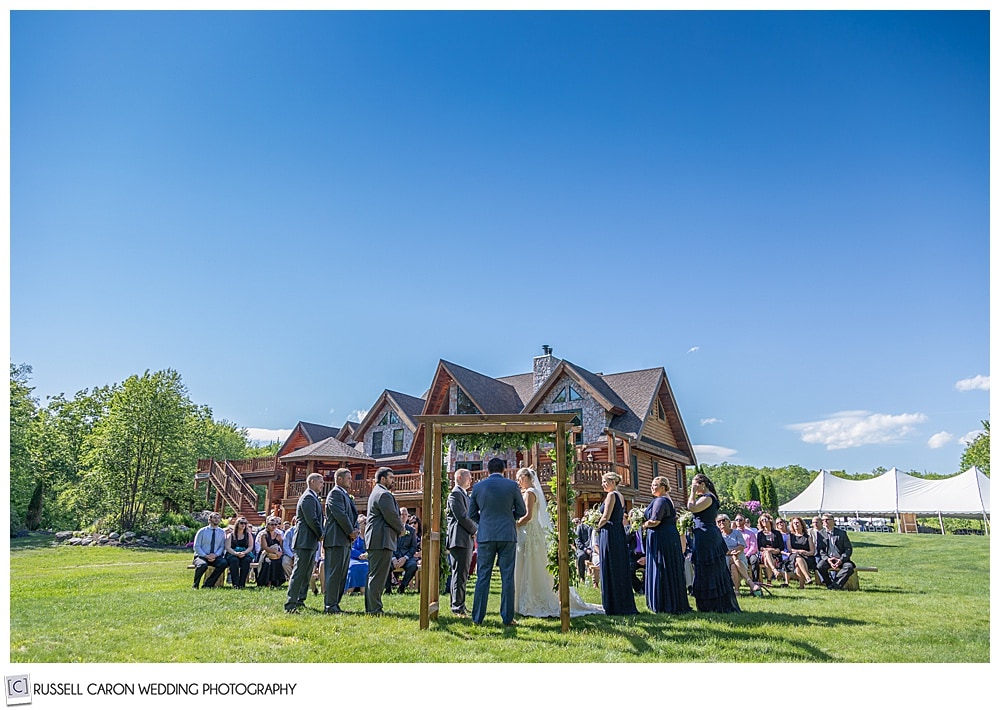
249 495
590 472
264 463
230 484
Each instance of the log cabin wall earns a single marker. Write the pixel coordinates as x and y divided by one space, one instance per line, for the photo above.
657 428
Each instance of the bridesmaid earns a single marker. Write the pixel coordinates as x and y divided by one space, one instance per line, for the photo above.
713 585
665 585
616 589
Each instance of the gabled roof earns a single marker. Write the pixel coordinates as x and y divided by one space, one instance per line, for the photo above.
347 431
597 387
405 405
636 389
328 449
318 432
489 395
522 384
311 432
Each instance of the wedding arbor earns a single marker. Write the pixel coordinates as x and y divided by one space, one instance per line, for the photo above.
440 427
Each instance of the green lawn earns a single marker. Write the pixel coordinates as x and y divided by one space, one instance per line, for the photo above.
928 603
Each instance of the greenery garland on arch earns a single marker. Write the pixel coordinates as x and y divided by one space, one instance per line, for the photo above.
499 441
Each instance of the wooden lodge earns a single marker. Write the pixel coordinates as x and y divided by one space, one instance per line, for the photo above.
627 423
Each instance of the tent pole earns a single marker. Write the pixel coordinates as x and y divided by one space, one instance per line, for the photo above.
986 523
941 520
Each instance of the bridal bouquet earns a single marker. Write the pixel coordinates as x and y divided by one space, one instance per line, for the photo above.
636 517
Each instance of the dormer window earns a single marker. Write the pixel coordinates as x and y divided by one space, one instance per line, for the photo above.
659 410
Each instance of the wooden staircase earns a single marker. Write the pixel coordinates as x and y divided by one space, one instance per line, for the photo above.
238 494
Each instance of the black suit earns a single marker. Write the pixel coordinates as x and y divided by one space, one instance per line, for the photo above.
636 549
834 543
406 548
584 551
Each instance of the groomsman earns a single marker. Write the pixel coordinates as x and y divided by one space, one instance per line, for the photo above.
338 535
380 537
461 529
308 533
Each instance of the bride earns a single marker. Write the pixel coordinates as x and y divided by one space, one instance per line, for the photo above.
533 593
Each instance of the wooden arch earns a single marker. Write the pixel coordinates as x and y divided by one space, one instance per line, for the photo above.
440 426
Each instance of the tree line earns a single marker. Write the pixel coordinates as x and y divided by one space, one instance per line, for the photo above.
123 455
117 456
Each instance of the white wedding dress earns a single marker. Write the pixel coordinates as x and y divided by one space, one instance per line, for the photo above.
533 593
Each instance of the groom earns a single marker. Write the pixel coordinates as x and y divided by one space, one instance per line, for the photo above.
495 504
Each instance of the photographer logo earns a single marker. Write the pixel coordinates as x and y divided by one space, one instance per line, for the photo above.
18 689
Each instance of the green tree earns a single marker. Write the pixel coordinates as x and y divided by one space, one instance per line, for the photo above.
22 413
753 490
768 496
217 439
141 454
977 452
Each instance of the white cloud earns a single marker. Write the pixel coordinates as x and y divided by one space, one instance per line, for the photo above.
358 415
711 420
707 453
266 436
971 436
694 349
850 429
940 439
979 382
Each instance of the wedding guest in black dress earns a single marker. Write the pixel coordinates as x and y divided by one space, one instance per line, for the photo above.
270 573
239 553
616 589
803 552
713 585
665 584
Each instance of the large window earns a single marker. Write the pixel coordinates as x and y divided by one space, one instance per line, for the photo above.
465 405
397 441
376 443
635 470
388 418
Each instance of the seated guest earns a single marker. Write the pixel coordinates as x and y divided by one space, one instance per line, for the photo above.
787 563
736 557
270 573
751 551
802 551
636 558
835 566
239 552
210 551
583 547
770 546
404 557
814 530
287 551
357 569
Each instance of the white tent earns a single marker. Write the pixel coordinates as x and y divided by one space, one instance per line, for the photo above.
894 492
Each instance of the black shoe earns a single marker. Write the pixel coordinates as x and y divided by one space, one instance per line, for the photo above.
194 586
402 589
333 610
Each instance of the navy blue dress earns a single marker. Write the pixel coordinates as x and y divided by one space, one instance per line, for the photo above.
665 587
713 585
616 587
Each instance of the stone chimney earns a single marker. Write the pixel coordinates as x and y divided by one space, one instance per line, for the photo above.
544 364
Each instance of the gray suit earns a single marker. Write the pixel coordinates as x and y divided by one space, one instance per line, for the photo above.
341 521
496 505
307 536
461 528
380 540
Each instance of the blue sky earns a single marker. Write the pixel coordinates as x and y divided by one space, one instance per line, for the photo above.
787 211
